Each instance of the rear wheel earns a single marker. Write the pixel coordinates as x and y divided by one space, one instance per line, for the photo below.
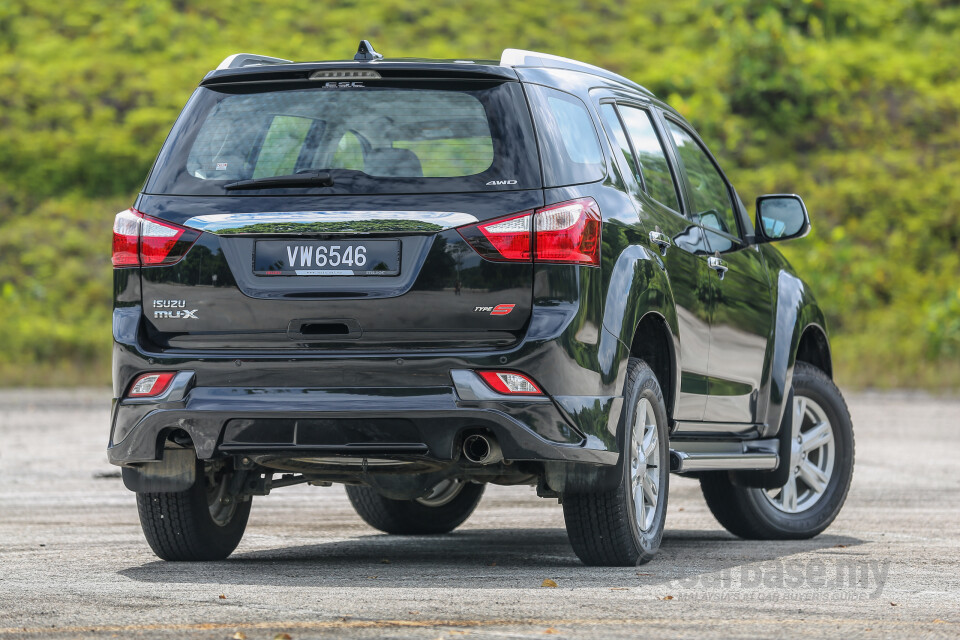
442 510
624 526
821 469
204 522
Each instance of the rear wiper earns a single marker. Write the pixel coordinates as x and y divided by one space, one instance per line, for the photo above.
303 178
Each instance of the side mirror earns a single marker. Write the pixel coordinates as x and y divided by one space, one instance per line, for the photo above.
781 217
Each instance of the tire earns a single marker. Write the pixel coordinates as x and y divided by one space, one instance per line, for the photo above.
604 527
782 514
441 512
183 525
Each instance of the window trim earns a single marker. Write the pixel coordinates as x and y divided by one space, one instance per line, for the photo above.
634 170
734 207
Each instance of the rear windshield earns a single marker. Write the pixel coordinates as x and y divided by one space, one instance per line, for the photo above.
395 137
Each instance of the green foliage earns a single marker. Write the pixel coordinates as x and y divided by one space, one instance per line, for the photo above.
854 104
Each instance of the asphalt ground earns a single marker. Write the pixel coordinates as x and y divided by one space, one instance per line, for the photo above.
73 562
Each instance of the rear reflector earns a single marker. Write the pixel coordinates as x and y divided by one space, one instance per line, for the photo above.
150 385
139 240
510 383
568 232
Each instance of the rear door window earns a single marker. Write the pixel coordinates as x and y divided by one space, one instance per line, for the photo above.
569 146
615 128
650 156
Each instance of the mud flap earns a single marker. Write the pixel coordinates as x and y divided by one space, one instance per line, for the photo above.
176 472
566 477
778 477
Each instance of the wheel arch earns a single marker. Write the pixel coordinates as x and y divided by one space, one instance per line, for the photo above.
814 348
799 333
654 343
639 309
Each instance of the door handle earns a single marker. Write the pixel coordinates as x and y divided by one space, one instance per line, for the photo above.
660 239
718 265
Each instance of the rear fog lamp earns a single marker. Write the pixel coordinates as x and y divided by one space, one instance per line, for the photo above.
150 385
510 383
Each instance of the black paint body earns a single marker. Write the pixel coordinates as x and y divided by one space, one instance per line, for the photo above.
384 388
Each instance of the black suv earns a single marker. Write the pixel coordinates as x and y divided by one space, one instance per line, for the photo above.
416 277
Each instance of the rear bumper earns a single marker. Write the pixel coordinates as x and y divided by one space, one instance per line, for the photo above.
399 422
405 404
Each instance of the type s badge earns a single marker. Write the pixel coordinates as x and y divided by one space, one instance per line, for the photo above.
499 310
173 310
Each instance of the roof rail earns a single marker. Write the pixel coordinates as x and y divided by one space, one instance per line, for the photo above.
522 58
238 60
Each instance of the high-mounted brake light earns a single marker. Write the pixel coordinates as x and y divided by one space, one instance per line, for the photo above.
139 240
568 232
510 383
150 385
345 74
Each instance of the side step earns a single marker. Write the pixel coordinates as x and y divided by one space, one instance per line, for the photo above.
705 455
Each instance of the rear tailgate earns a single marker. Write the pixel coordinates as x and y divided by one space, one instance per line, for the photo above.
328 209
444 295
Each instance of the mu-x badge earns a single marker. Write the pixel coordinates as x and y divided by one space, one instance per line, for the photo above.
173 310
499 310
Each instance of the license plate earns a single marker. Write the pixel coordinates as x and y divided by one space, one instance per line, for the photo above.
326 258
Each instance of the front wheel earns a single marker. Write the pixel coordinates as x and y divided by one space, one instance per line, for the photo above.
623 527
204 522
820 472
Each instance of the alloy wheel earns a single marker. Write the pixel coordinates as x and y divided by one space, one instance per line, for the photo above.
812 454
645 464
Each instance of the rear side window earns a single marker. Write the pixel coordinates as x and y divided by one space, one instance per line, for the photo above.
569 147
389 137
650 156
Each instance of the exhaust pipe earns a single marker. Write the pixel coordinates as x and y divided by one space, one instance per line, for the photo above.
480 449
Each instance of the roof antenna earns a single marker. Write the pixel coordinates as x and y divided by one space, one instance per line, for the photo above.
366 52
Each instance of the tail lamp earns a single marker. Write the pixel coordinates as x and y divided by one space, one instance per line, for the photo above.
139 240
568 232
